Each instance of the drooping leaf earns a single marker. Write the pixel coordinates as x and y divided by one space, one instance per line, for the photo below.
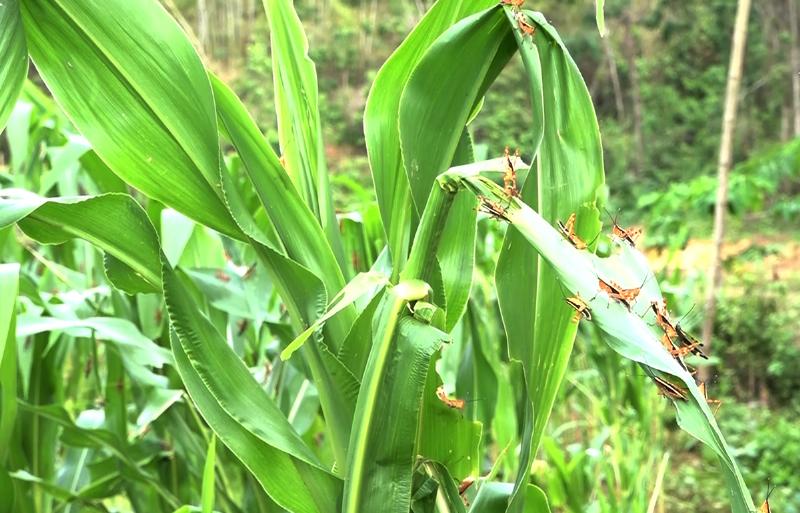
113 222
302 237
305 274
222 371
631 332
140 95
361 285
291 483
136 350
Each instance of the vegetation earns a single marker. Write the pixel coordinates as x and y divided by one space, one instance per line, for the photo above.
346 297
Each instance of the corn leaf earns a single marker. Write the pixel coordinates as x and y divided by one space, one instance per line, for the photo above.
240 412
301 235
382 446
436 104
9 285
140 96
494 498
569 160
304 271
381 128
13 58
113 222
207 489
630 331
299 128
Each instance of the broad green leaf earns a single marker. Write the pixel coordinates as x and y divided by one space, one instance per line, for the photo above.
305 298
140 95
446 435
306 275
437 102
291 483
136 350
494 497
439 96
113 222
382 446
456 252
222 372
302 237
381 128
569 160
13 58
9 285
299 128
631 332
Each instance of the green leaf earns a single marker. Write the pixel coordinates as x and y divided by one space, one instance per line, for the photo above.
299 128
239 410
362 284
441 92
447 485
140 95
77 436
380 122
456 252
293 484
494 498
13 58
222 371
207 489
382 447
600 17
136 350
569 160
304 284
9 286
113 222
446 435
631 332
302 237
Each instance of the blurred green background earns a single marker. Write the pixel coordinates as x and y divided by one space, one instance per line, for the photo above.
658 82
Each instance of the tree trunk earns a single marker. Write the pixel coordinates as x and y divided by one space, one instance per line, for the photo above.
636 98
794 53
724 165
202 25
614 74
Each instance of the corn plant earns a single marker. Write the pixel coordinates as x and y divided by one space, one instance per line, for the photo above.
242 308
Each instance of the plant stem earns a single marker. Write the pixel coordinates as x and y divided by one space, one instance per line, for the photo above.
422 260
